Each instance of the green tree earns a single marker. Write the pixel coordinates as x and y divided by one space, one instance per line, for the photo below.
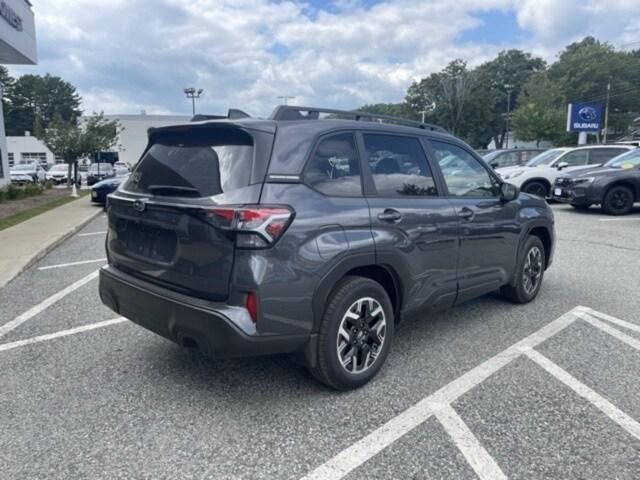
7 88
43 98
541 114
394 109
71 141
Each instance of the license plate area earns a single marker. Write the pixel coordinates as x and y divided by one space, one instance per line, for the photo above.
146 241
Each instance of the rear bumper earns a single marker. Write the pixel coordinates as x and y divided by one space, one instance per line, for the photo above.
220 330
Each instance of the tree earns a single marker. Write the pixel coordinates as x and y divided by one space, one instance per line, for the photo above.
72 141
38 100
394 109
541 114
7 83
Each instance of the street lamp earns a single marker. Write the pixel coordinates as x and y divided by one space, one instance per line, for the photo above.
192 93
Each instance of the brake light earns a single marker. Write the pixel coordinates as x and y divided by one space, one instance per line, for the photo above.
255 226
251 304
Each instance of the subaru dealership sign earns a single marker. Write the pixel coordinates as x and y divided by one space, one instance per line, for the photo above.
584 117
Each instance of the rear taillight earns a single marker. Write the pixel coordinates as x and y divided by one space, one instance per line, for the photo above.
251 304
255 226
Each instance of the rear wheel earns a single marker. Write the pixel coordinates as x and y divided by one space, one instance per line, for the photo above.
355 334
529 273
536 188
618 201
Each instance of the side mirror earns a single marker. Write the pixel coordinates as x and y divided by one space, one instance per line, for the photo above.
562 165
508 192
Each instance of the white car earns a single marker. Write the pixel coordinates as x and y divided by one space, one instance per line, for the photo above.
27 173
58 173
537 176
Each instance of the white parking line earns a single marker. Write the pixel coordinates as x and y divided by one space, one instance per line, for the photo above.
33 311
352 457
63 333
73 264
482 463
606 407
616 321
614 332
91 234
627 219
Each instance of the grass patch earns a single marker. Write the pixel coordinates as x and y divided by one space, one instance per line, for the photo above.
20 217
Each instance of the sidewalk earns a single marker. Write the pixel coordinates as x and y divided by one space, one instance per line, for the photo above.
27 242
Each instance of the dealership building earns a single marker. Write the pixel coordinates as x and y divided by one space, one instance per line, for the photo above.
17 47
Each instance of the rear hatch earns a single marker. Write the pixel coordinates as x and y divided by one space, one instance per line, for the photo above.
160 224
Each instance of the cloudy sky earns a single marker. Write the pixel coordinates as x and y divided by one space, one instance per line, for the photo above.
125 56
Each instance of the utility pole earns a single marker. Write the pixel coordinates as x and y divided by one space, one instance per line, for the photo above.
606 115
193 94
508 118
285 98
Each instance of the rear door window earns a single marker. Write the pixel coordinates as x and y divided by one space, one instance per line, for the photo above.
334 168
600 156
194 163
398 166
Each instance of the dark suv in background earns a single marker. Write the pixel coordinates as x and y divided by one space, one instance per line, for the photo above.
313 236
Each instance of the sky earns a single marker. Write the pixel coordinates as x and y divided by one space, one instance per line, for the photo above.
125 56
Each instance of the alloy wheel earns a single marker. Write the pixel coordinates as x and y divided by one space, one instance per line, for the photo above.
361 335
532 273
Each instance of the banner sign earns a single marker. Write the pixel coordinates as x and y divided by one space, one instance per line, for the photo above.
584 117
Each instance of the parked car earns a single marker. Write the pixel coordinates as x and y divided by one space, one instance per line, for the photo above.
100 190
537 176
58 173
615 186
313 237
511 157
98 172
27 173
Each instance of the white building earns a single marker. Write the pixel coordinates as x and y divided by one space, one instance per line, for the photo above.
17 47
133 139
28 149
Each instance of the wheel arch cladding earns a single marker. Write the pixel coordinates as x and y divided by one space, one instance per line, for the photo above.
545 237
378 273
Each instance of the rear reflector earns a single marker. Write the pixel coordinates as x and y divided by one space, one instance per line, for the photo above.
251 304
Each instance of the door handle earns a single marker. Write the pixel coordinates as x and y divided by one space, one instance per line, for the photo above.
389 215
466 213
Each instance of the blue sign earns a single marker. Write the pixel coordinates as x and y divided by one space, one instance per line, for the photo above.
584 117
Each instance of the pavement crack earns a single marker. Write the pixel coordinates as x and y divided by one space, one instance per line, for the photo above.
601 244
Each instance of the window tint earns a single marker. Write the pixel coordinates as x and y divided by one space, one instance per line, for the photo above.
574 159
603 155
335 167
463 174
398 166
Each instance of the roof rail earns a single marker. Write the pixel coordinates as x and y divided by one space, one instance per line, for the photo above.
233 113
289 112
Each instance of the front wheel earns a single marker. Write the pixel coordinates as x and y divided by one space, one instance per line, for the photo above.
355 334
618 201
536 188
529 273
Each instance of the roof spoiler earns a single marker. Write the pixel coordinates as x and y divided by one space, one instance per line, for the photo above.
290 113
233 113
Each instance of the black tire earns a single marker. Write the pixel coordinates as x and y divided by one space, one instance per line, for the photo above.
618 201
536 188
329 369
581 207
520 292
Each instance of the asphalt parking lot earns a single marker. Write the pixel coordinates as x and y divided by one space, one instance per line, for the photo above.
487 390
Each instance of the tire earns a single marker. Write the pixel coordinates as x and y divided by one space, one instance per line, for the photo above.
530 267
581 207
536 188
337 367
618 201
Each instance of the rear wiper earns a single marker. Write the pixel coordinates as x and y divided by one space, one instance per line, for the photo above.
173 190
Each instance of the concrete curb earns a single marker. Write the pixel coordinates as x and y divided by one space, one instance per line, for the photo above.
55 241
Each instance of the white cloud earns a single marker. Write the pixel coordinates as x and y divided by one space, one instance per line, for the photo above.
126 56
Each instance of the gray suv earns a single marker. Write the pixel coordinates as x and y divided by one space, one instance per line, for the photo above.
313 233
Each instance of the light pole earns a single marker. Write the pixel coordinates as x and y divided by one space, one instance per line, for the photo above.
509 89
606 114
285 98
193 94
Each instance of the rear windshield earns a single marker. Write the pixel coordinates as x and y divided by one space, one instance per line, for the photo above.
197 163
